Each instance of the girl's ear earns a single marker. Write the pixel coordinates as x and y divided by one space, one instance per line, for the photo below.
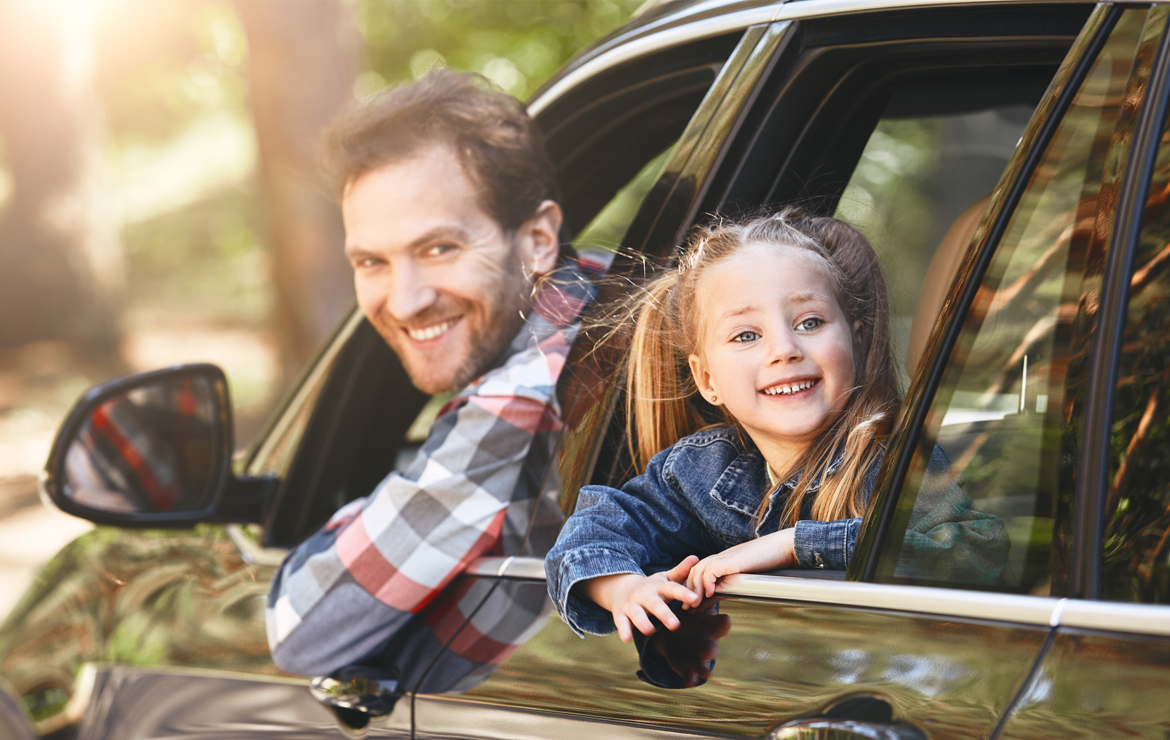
703 380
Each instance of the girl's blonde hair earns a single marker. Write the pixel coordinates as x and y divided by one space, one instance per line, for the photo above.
659 385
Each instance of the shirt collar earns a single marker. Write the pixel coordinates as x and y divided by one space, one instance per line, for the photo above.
563 295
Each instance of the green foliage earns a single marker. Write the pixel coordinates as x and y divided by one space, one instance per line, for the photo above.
518 44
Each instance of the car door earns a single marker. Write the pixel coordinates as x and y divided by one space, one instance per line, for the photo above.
936 649
1103 672
161 634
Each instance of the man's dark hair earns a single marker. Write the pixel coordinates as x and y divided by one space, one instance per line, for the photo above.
498 145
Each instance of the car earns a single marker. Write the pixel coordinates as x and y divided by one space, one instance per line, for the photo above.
1011 163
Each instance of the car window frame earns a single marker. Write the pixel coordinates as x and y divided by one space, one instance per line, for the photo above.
1094 470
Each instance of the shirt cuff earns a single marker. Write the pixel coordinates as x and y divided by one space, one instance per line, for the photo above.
826 544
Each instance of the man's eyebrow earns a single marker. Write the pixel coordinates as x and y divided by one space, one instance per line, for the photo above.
445 231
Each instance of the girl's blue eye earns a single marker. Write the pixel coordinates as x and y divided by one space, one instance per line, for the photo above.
746 336
808 324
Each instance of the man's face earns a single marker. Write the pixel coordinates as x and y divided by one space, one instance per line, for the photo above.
440 280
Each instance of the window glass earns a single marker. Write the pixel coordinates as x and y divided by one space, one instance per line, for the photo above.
918 177
994 470
279 443
1136 544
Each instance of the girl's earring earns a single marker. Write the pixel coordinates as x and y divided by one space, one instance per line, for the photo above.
714 400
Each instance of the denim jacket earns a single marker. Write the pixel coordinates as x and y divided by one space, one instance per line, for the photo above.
699 497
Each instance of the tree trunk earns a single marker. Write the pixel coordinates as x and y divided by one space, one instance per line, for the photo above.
61 268
303 57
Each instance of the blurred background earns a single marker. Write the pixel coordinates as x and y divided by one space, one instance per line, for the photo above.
158 193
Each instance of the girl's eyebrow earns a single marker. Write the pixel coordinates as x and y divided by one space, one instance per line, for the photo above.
804 297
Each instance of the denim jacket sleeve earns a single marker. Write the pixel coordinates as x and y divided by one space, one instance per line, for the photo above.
826 544
644 527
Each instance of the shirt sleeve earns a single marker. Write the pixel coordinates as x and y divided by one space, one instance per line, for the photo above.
643 528
343 593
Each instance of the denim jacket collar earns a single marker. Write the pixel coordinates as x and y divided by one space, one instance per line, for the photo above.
746 476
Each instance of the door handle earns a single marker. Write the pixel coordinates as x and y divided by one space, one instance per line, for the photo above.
357 694
828 728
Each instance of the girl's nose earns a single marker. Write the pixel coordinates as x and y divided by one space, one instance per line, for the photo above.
785 347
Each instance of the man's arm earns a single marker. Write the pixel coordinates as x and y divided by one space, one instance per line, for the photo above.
344 592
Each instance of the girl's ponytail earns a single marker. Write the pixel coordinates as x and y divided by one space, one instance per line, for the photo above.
658 387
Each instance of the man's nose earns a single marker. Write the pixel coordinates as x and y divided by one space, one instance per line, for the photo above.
409 293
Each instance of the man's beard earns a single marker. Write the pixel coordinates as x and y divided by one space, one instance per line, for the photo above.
503 324
503 320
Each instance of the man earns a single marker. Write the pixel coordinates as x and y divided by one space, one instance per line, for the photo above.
452 229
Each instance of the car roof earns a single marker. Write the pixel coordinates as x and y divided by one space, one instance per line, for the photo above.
662 24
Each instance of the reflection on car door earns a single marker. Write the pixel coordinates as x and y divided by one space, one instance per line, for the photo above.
1104 674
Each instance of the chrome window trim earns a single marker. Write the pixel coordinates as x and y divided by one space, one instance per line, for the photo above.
1109 616
647 45
320 367
252 552
645 41
1041 611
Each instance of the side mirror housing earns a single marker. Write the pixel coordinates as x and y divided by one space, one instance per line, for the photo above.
153 450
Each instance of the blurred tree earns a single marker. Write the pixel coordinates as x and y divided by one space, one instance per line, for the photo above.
517 44
303 58
60 257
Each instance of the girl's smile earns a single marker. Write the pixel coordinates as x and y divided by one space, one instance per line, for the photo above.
775 347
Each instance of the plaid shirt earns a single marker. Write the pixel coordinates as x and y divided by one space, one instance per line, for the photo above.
483 483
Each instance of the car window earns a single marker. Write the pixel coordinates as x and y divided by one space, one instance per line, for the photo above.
1006 416
1136 537
917 193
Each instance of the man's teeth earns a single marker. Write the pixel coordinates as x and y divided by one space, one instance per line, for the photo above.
784 390
422 335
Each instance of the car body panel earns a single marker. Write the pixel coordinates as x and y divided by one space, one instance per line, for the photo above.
1094 684
145 634
781 660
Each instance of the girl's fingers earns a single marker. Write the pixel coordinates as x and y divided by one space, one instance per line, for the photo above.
709 579
623 627
641 622
665 615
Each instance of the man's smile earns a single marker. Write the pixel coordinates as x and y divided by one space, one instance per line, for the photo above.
434 331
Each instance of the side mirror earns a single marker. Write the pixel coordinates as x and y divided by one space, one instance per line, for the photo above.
153 450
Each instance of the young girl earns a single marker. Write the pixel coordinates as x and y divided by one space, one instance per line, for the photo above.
783 323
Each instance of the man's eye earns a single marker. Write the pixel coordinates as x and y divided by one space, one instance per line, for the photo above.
745 336
366 263
437 250
808 324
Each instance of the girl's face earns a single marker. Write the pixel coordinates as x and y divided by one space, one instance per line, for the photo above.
775 347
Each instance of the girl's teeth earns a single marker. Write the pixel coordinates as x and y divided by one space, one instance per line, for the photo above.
785 390
430 332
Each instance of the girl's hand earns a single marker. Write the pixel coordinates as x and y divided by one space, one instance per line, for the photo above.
629 597
769 552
